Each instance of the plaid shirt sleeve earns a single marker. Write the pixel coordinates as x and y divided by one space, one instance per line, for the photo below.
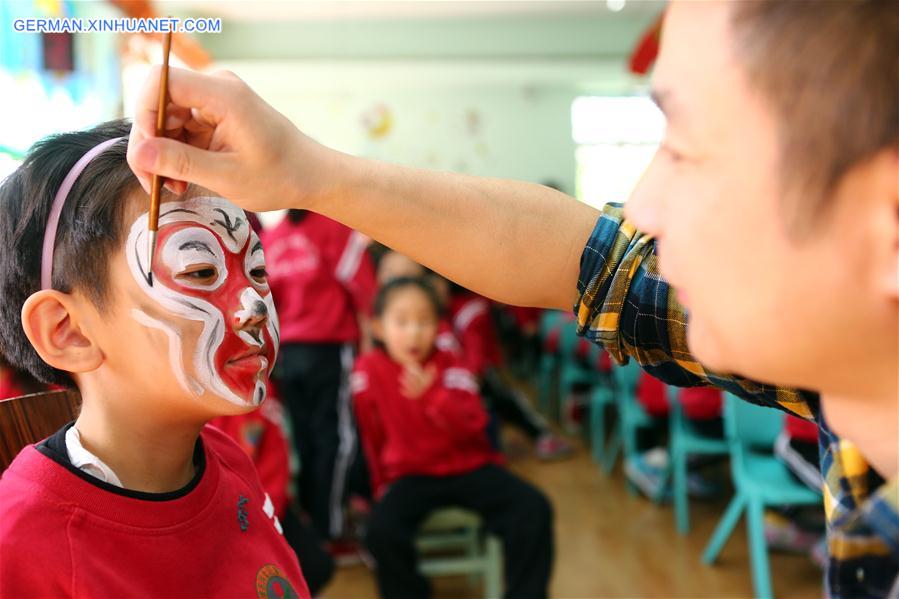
624 305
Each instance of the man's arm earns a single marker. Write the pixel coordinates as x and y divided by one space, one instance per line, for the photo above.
515 242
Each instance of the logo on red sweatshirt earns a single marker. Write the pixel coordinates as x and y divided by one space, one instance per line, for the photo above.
242 519
271 584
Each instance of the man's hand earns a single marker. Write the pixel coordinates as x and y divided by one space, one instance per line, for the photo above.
415 380
221 135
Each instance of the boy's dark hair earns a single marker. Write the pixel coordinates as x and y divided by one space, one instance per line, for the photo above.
382 300
90 229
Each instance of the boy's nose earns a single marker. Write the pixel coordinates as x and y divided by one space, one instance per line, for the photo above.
258 314
253 312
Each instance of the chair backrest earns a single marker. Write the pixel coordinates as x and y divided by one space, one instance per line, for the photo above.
627 377
751 425
568 338
30 418
549 320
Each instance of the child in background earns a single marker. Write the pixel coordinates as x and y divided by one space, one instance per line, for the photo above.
422 426
701 408
473 325
323 283
392 265
520 330
137 497
468 331
799 529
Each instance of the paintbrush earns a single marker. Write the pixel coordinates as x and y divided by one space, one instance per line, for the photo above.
156 187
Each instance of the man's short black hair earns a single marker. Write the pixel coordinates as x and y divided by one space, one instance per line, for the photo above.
90 230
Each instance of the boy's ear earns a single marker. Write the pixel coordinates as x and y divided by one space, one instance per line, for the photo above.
50 320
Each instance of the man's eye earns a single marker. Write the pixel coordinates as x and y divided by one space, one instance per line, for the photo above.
259 273
673 155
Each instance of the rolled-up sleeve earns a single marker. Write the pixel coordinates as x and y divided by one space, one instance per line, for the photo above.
625 305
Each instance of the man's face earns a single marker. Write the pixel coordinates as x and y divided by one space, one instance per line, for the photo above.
206 327
761 303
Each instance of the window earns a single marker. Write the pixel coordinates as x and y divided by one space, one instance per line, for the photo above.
616 139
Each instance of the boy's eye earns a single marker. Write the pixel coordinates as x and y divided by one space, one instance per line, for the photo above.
199 275
259 274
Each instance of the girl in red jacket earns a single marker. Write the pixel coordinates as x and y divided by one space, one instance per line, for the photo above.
422 426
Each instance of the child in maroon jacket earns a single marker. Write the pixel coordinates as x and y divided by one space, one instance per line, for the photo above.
422 426
472 323
323 282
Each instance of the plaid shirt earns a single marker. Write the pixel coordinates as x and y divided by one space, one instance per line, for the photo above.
624 305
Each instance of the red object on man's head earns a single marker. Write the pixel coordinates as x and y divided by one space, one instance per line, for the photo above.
647 49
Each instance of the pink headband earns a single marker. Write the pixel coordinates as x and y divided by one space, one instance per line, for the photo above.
59 202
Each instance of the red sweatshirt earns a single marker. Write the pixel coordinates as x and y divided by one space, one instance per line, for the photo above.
699 403
62 536
8 386
470 315
261 435
446 338
321 277
801 430
524 317
441 433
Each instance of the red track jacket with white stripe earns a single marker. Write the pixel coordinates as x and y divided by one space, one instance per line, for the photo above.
442 433
321 277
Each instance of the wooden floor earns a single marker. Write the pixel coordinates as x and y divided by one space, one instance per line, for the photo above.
609 544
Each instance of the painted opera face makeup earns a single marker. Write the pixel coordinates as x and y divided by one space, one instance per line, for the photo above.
210 268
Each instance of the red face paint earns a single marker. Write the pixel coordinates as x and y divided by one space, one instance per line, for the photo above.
247 351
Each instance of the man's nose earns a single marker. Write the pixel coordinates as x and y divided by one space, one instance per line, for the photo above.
645 207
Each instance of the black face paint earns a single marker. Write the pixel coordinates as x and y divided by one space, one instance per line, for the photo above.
229 225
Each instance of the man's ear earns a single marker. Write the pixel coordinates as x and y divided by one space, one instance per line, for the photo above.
50 320
893 275
893 278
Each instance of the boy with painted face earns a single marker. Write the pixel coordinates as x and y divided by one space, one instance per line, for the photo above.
137 496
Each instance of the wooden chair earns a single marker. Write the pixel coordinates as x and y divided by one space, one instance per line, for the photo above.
31 418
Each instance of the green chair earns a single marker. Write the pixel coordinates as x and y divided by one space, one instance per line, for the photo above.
602 397
760 481
550 320
684 441
631 416
573 371
450 543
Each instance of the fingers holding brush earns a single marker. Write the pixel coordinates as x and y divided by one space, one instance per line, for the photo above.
226 138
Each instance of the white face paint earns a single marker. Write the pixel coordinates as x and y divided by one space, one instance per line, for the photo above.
210 269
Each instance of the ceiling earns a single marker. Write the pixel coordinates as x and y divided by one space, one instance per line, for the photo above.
373 10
